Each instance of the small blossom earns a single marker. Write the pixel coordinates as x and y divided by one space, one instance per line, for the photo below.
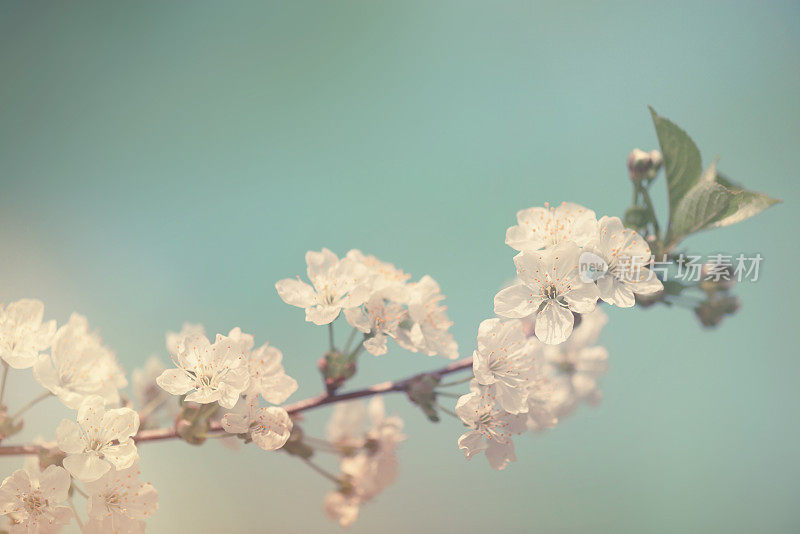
99 440
23 335
428 327
31 498
491 428
188 330
505 364
384 278
335 284
208 372
540 228
550 288
378 317
79 366
346 425
627 255
370 470
573 367
119 503
267 376
342 508
268 427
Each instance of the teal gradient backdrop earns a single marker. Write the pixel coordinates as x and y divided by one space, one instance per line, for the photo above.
164 162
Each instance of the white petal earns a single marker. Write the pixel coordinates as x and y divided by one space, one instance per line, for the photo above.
516 302
296 292
175 382
274 428
86 467
554 324
68 436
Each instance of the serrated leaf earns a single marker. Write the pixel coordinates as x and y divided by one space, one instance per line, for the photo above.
743 205
699 207
682 164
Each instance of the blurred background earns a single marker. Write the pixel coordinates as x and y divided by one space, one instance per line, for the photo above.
168 162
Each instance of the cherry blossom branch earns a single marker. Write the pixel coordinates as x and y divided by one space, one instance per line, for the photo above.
323 399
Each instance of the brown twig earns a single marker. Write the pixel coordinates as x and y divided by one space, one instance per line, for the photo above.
158 434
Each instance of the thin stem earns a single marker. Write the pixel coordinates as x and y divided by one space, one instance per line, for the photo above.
446 394
75 512
652 211
31 404
455 382
3 385
448 411
153 405
330 337
76 488
350 340
320 470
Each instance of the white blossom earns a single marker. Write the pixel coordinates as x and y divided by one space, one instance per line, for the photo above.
491 428
267 376
346 425
369 471
428 328
505 363
118 502
545 227
99 440
549 286
31 499
378 317
188 330
208 372
384 278
335 284
626 255
269 427
574 366
79 366
23 335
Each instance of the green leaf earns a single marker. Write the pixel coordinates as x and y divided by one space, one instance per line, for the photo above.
682 163
701 205
743 205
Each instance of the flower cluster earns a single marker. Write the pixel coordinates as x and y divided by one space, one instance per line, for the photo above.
77 366
567 261
230 370
369 460
376 299
522 384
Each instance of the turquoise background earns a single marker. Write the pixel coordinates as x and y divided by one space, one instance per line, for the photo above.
163 162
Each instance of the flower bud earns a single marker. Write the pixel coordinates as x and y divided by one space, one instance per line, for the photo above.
644 165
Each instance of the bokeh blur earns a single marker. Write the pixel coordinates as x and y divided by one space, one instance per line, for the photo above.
163 162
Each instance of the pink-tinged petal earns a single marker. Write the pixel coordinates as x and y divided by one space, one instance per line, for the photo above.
500 454
376 345
471 443
516 302
54 483
554 324
296 292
